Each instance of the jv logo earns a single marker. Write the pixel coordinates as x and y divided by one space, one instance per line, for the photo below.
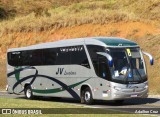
60 71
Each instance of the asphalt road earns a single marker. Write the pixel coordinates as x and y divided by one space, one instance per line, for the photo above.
150 102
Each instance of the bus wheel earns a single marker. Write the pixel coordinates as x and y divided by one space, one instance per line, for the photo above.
87 95
28 92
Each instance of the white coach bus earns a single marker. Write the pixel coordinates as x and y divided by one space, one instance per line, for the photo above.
87 69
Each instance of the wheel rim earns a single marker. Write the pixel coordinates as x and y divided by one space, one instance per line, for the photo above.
87 96
28 93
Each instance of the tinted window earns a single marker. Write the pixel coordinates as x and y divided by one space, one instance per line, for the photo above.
72 55
63 56
25 58
14 58
79 57
49 56
99 62
34 57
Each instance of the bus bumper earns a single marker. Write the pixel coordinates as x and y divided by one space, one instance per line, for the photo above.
122 95
118 95
127 92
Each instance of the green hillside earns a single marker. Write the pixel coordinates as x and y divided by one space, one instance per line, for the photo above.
42 15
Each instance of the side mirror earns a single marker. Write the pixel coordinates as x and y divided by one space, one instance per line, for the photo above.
150 57
110 60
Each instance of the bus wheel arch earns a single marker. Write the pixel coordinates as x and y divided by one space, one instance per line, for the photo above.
86 95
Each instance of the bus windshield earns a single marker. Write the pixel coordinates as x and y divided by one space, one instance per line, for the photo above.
128 65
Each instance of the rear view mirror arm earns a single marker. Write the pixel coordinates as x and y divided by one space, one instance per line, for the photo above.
150 57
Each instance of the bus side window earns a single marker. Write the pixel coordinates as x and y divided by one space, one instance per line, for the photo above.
102 67
49 56
63 56
72 55
14 58
35 57
79 57
26 58
99 62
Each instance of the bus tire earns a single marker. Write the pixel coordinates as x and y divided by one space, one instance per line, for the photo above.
28 92
87 95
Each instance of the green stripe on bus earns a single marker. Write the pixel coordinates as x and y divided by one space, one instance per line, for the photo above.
17 75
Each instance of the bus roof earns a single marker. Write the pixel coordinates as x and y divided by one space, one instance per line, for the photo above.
101 41
112 41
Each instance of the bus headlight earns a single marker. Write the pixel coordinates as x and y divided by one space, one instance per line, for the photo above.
146 86
117 88
7 87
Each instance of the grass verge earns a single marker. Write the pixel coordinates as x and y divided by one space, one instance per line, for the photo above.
23 103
